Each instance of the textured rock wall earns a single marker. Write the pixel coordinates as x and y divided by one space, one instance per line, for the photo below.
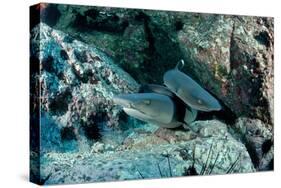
231 56
86 54
77 83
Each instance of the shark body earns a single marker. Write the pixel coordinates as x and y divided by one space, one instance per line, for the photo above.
190 91
155 107
171 106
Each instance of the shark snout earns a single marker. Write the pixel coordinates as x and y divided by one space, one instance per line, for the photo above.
125 100
217 106
122 100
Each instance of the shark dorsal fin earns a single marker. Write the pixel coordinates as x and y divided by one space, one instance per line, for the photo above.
180 64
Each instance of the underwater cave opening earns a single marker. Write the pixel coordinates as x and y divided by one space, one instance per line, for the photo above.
67 133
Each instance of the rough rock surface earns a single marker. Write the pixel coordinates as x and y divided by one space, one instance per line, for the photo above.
231 56
149 153
83 56
77 84
259 141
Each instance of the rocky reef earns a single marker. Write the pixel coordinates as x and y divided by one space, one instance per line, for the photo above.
232 56
77 83
149 152
89 54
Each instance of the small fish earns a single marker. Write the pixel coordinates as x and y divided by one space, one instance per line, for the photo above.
190 91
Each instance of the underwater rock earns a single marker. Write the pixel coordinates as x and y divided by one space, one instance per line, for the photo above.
147 154
258 139
132 29
77 85
114 31
98 147
225 56
230 56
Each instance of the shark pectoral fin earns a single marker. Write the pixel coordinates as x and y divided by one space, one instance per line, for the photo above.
190 115
193 134
194 113
186 126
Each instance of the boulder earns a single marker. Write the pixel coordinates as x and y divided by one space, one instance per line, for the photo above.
233 58
258 139
77 84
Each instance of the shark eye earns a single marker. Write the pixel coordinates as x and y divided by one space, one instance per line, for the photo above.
147 102
199 101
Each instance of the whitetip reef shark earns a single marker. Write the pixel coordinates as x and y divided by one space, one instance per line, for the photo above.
190 91
157 108
169 107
